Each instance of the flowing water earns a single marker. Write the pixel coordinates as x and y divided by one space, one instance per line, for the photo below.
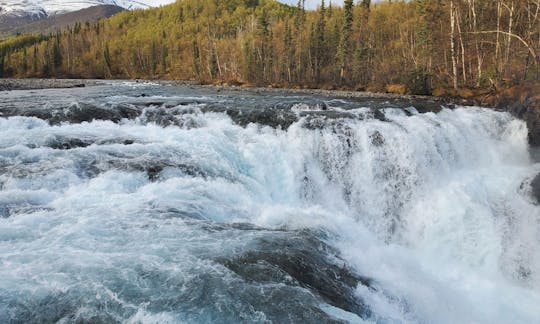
141 203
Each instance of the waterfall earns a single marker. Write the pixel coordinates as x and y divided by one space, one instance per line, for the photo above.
140 220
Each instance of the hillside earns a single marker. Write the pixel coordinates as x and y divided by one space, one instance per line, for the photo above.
414 46
12 22
49 8
58 22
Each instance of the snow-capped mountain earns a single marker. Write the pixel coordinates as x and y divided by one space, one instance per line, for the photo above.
38 9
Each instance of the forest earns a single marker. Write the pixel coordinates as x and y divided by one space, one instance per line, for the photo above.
397 46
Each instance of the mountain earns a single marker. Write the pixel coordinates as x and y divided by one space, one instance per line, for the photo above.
58 22
37 9
28 16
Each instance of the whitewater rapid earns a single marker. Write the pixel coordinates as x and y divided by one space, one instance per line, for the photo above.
153 215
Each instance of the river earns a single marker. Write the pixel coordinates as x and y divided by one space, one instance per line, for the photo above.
142 203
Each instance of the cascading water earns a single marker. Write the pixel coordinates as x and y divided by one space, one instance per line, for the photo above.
193 206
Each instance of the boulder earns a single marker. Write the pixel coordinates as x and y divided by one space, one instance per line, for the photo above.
535 188
302 259
533 124
522 102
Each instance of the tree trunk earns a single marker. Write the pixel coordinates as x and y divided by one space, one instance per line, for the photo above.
508 37
463 61
498 42
453 43
479 58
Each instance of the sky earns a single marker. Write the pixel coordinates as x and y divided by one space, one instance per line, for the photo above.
312 4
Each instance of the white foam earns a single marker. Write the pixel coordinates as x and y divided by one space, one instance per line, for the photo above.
431 210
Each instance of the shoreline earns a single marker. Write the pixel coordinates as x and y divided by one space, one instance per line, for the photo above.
522 102
42 84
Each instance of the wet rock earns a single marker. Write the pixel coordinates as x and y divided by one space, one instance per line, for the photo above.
533 124
152 168
379 114
324 119
4 212
165 117
377 139
329 114
85 113
302 259
269 116
68 143
307 105
75 114
425 106
151 103
153 172
81 112
57 308
33 84
522 102
7 211
128 111
314 123
166 103
535 186
160 116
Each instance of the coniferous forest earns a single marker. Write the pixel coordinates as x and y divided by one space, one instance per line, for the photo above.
398 46
372 162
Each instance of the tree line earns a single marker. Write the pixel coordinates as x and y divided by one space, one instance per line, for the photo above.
413 46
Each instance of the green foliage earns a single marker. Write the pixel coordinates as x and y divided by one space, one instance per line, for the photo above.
344 46
418 81
265 42
57 53
2 64
18 42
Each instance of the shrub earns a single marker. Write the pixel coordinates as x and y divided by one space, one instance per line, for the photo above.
418 81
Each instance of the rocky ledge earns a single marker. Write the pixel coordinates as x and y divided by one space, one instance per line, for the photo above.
522 101
32 84
535 188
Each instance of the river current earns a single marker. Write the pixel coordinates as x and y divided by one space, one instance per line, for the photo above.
142 203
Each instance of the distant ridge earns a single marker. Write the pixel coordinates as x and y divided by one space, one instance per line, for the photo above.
12 25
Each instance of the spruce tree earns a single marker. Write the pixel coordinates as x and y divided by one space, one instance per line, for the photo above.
345 39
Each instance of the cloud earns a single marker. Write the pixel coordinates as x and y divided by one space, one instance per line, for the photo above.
312 4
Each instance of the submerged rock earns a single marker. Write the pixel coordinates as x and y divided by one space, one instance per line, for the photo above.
533 124
535 186
522 102
275 117
77 113
302 259
377 139
379 114
68 143
4 212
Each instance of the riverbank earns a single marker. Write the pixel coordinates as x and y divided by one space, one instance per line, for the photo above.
521 101
35 84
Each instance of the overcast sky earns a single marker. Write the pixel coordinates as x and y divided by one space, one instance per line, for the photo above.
312 4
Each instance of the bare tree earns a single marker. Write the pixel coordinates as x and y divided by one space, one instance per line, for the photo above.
453 43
